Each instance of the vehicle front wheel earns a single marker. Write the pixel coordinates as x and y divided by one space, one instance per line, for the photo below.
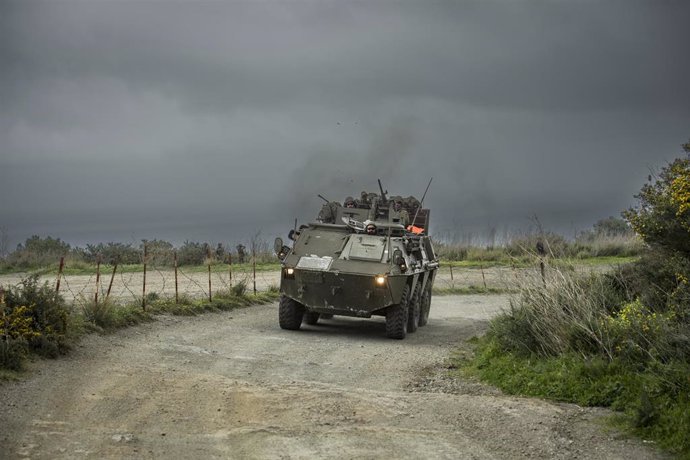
290 313
413 311
425 307
396 317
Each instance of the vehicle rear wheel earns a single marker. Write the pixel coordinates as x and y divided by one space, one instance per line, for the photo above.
396 317
414 310
290 313
311 318
425 306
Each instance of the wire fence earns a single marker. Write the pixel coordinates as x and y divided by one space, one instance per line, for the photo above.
123 284
119 284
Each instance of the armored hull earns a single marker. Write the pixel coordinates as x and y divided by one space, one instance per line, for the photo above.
351 270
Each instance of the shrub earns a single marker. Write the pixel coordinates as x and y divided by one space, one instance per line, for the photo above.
567 314
41 316
12 353
239 289
662 218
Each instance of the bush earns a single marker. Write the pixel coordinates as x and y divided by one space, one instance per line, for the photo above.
662 218
12 352
37 315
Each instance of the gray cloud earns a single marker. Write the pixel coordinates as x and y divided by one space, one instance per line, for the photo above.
128 118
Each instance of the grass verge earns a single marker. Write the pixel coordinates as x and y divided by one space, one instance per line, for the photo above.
652 402
22 337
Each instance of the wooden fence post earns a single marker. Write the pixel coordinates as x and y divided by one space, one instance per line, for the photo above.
143 289
110 285
177 298
208 254
60 268
254 265
98 278
230 266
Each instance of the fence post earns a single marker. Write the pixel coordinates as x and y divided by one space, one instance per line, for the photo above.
208 254
254 265
143 289
177 299
452 282
110 285
481 267
98 278
230 266
60 268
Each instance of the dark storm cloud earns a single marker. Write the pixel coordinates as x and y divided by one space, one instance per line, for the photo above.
239 113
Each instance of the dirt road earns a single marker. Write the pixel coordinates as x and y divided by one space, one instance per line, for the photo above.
234 385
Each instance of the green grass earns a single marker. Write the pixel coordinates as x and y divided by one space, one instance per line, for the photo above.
651 401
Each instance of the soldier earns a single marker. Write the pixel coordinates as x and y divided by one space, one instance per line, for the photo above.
364 201
404 216
349 202
240 253
328 212
220 252
371 229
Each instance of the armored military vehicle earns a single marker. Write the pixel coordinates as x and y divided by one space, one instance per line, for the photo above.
375 258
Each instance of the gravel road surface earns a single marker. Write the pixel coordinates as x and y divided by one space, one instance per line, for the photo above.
234 385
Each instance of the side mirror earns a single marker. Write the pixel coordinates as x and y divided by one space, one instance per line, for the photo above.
278 245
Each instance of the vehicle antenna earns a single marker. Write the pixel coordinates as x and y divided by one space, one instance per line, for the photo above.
421 202
322 197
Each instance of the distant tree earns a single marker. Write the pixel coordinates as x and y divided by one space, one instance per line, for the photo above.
192 253
112 253
612 226
159 252
4 242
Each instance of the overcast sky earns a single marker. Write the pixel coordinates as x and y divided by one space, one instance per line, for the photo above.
211 121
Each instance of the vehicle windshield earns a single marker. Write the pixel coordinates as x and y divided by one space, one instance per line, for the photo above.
364 247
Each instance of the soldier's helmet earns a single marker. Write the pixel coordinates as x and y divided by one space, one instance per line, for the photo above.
371 229
349 202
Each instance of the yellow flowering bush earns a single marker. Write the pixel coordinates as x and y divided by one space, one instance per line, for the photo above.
635 331
19 324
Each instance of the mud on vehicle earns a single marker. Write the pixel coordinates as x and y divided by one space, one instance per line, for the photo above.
372 259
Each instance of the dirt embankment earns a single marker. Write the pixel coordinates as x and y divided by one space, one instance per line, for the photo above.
234 385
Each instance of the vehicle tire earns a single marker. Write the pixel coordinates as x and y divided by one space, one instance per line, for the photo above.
425 304
396 317
311 317
413 313
326 316
290 313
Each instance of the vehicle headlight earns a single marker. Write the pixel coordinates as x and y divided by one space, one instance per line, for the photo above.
380 280
289 273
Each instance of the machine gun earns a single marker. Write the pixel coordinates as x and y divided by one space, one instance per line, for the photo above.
383 199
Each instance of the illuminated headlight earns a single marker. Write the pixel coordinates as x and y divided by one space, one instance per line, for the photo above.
289 273
380 280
